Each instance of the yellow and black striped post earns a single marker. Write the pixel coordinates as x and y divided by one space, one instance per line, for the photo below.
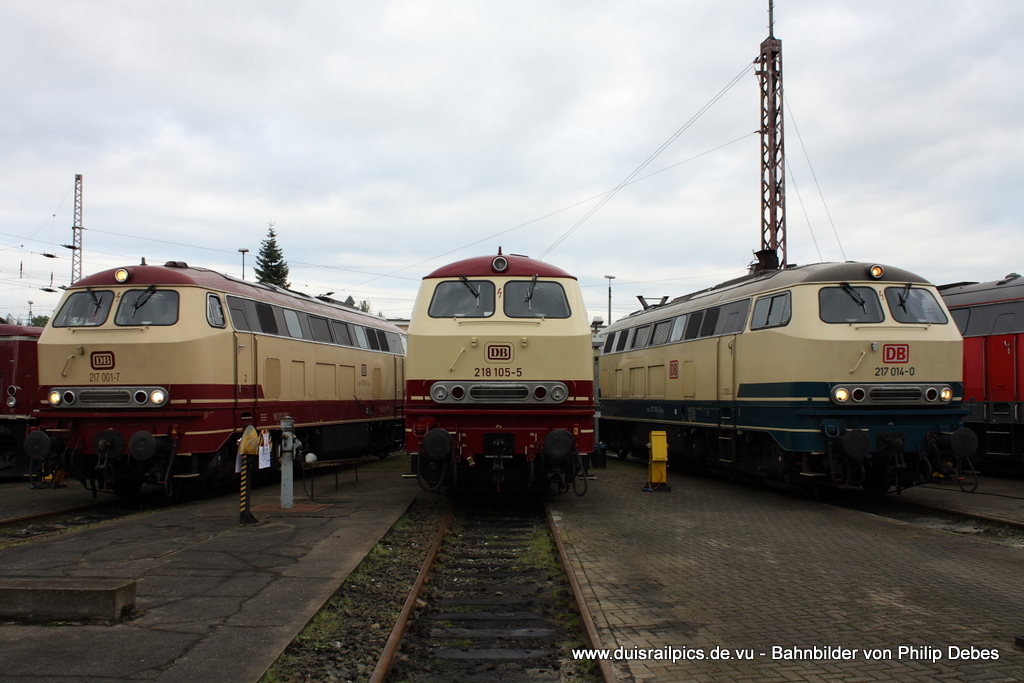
248 446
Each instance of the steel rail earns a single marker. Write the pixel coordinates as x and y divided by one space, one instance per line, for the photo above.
52 513
590 634
395 639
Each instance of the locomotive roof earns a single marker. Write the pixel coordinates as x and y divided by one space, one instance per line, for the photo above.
19 331
755 283
973 293
518 266
179 273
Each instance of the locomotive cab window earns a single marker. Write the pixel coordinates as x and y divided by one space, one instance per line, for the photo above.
463 298
848 304
214 311
912 305
772 311
609 341
533 299
84 309
150 306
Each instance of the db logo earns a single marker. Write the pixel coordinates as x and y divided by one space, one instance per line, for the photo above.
500 353
102 360
896 353
673 369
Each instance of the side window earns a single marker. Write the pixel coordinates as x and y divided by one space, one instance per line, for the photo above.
710 320
693 325
678 327
291 318
623 336
771 311
733 317
609 342
266 315
238 317
661 331
320 329
640 337
371 337
214 311
360 333
394 342
341 333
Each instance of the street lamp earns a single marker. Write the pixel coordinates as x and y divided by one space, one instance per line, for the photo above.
243 252
609 278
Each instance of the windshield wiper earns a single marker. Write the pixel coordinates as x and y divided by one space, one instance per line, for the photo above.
143 298
855 295
95 299
904 295
471 288
529 292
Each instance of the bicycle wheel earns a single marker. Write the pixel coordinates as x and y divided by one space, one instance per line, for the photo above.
966 476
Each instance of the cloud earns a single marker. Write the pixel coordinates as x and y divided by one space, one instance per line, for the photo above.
378 136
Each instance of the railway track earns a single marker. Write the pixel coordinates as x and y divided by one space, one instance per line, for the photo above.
496 606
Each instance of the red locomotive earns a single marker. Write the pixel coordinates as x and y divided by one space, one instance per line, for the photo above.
18 386
990 316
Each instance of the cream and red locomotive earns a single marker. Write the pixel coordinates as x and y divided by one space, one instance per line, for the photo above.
499 384
148 374
843 373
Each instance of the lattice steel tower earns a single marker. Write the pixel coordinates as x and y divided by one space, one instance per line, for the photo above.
773 156
76 233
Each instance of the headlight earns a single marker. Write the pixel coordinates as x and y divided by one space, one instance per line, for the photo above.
558 393
158 396
841 395
69 397
946 394
54 398
11 401
438 392
876 271
500 264
122 275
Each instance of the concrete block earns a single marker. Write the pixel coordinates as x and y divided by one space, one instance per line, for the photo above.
66 599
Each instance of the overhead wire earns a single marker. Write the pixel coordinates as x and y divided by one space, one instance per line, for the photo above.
649 159
814 175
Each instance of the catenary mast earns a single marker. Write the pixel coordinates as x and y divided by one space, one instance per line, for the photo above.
773 159
76 233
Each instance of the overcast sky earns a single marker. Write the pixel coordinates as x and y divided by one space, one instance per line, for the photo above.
386 139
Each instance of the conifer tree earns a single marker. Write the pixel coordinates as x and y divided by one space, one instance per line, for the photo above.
271 268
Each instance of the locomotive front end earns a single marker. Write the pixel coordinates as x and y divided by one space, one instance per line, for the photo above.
499 376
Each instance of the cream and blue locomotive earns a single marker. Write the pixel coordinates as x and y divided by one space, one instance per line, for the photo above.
843 373
499 377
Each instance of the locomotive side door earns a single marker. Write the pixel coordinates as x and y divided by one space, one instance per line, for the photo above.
245 366
726 367
1000 354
